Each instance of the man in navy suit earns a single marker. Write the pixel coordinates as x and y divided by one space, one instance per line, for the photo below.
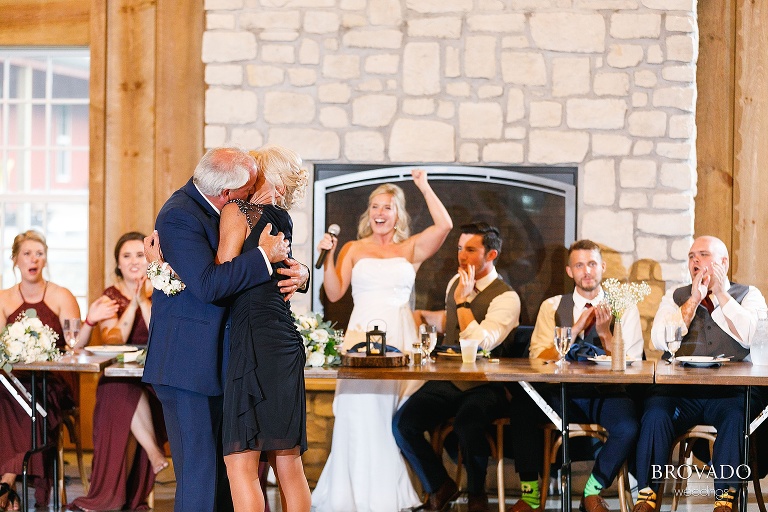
188 343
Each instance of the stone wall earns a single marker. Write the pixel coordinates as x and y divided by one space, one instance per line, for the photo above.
608 85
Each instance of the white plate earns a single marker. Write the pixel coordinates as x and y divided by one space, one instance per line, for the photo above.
606 360
110 350
702 361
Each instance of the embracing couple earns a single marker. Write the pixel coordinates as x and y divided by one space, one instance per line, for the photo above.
223 354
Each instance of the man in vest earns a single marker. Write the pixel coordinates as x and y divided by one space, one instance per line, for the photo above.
590 320
478 305
717 317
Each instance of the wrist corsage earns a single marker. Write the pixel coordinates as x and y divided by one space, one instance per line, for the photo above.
163 278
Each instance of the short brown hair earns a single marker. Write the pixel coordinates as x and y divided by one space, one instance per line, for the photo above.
584 245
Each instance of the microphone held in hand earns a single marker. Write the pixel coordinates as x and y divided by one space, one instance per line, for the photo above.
334 231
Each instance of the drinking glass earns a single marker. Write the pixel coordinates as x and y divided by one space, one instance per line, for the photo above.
562 343
71 330
432 342
673 337
338 337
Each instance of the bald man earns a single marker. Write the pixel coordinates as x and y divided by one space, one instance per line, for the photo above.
717 317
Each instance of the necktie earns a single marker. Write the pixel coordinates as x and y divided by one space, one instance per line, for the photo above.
708 304
591 322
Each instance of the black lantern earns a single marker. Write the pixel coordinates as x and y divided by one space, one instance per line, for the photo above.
373 337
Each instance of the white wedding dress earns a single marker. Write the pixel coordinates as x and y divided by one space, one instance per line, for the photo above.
365 471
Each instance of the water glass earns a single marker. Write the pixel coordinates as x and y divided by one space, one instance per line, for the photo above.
431 336
562 343
673 337
71 330
469 350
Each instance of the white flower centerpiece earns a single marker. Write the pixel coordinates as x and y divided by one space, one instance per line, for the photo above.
163 278
27 340
320 341
619 297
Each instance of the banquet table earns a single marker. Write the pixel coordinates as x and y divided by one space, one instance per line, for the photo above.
80 363
523 371
728 374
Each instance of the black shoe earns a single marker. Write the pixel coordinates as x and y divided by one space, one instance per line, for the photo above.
439 500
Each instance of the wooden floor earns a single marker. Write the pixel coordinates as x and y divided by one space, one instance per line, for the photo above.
165 488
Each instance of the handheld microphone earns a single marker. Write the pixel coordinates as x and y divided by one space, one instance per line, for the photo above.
334 231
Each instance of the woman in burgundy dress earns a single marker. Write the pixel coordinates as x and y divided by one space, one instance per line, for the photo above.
128 428
52 303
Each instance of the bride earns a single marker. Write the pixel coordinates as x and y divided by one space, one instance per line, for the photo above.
365 471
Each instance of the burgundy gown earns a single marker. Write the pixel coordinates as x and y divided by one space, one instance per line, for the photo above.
15 425
116 485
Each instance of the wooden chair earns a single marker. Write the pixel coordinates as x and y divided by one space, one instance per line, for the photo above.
552 442
70 420
439 434
686 442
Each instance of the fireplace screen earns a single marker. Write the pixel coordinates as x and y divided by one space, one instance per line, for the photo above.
534 208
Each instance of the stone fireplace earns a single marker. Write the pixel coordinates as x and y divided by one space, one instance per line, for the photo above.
607 86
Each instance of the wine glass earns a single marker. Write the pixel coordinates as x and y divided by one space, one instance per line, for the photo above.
562 343
673 337
338 337
71 330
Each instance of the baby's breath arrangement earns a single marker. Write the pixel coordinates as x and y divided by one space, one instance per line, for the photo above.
620 296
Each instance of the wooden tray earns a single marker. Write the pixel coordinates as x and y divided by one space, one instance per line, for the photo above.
390 360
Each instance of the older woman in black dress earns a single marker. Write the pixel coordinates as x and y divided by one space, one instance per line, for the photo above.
264 403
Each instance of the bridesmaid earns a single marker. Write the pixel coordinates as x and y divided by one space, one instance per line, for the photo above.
127 422
53 303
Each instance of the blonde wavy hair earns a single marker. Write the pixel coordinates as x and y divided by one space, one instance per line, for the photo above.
403 222
282 168
30 234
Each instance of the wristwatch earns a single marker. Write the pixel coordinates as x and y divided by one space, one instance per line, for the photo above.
463 305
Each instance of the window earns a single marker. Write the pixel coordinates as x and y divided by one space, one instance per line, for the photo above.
44 159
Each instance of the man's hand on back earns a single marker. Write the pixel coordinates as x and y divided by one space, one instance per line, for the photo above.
297 274
274 246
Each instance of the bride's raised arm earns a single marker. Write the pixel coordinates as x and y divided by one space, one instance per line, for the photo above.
426 243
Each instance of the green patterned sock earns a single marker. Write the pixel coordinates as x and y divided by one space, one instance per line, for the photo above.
531 494
593 487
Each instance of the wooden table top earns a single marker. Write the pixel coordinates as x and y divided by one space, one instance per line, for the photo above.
729 374
508 370
83 362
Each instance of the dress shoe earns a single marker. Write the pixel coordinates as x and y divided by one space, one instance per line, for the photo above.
594 503
438 501
477 503
522 506
643 506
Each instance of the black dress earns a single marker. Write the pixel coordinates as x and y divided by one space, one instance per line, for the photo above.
264 402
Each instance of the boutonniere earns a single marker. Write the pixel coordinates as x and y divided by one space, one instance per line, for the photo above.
163 278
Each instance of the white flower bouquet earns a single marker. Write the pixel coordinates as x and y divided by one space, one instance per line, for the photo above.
163 278
619 296
320 339
27 340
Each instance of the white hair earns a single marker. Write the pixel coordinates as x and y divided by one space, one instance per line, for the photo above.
222 168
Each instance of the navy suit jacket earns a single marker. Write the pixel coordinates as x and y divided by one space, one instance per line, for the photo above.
187 330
